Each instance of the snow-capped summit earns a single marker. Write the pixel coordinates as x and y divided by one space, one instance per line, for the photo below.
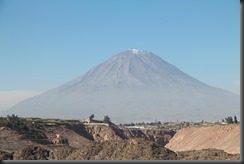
142 69
135 51
133 88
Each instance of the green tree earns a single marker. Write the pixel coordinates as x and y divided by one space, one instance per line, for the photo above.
229 120
91 116
13 121
235 120
106 119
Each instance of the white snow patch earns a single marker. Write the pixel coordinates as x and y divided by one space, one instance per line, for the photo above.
134 51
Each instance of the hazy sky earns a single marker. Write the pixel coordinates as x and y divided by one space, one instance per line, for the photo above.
45 43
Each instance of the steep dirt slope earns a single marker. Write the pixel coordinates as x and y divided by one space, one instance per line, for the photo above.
113 132
224 137
76 134
11 139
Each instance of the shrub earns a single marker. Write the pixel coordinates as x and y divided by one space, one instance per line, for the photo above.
106 119
229 120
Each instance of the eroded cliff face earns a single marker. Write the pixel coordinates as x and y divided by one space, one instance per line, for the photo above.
158 135
104 133
224 137
113 132
11 139
76 134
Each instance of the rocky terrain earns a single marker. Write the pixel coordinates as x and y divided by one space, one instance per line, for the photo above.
132 149
103 133
115 143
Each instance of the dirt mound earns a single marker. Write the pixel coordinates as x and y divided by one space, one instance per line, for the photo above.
223 137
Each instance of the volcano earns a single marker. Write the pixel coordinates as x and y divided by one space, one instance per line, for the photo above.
133 86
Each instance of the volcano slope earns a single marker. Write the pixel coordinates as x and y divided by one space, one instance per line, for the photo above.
132 86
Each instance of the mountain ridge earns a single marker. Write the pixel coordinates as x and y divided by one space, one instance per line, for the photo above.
123 60
133 85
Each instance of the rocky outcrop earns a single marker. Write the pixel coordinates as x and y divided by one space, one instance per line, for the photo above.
113 132
131 149
31 153
105 133
158 135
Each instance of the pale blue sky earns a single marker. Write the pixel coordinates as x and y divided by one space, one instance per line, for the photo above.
45 43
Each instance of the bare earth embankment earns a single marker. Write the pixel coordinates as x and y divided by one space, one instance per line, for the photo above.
223 137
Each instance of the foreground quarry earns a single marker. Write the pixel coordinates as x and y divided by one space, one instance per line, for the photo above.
75 141
224 137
